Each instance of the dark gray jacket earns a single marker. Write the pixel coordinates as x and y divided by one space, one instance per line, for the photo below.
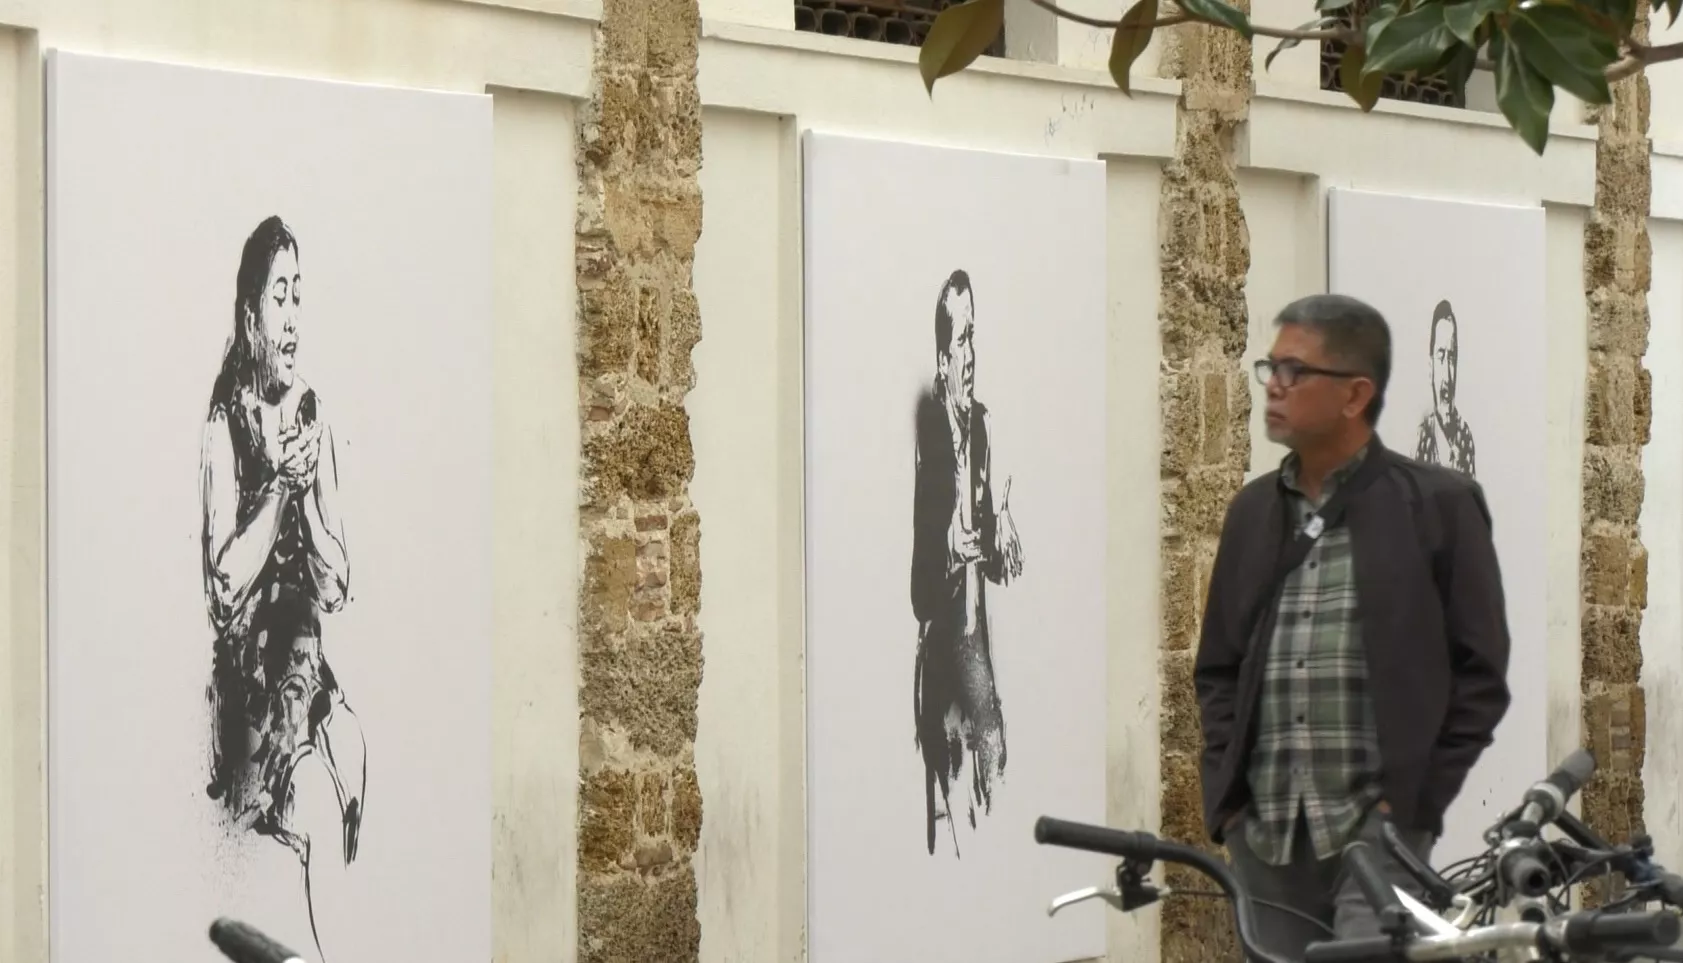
1433 619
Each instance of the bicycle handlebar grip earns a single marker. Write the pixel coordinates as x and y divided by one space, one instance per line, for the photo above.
1524 873
1573 772
1095 839
1595 931
1367 949
244 943
1359 862
1440 894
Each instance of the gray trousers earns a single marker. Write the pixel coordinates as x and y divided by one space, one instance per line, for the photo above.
1317 888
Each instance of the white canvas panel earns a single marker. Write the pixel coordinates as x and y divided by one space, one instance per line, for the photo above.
886 226
371 364
1416 259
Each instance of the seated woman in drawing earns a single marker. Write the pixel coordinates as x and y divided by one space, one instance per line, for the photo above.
287 753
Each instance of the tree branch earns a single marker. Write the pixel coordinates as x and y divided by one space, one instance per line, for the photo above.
1624 68
1276 33
1640 55
1076 17
1304 35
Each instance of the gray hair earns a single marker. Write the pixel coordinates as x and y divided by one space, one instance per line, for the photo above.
1354 332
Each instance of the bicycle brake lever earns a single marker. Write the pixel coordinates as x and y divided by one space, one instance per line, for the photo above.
1427 922
1109 894
1465 909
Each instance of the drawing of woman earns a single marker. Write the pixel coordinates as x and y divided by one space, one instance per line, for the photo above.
287 752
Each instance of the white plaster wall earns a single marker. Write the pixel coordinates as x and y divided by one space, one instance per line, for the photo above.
746 424
1132 751
1300 142
1665 85
761 83
745 415
1662 465
1568 356
1286 216
535 736
23 847
1662 534
534 57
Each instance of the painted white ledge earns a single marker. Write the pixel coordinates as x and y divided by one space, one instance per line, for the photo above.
873 89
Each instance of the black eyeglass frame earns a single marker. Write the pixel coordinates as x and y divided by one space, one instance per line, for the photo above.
1290 371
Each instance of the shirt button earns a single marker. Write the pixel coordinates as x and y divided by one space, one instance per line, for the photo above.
1313 564
1300 663
1300 720
1307 615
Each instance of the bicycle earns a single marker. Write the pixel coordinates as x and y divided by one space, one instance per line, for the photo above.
1521 869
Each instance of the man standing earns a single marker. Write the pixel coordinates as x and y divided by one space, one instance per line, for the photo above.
960 541
1445 437
1349 565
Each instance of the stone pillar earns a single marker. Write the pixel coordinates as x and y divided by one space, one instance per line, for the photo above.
639 647
1613 568
1205 404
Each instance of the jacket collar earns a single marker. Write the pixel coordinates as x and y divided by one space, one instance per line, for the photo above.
1367 462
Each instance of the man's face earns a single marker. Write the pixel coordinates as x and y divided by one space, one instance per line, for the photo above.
1443 363
958 365
1317 405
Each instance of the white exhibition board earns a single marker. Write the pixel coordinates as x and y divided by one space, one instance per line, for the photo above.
1472 399
899 648
350 449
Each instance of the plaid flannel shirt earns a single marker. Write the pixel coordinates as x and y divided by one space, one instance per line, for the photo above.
1317 748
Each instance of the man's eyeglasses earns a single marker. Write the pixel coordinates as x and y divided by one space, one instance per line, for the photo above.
1288 370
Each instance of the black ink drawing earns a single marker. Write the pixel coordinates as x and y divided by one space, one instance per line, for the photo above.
1445 437
961 541
287 753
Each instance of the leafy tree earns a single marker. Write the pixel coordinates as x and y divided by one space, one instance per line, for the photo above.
1533 46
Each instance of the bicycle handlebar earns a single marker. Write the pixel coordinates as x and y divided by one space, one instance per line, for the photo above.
1144 847
244 943
1103 840
1637 868
1590 933
1523 872
1440 894
1593 933
1380 894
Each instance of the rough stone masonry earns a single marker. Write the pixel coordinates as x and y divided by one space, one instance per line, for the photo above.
640 655
1613 567
1205 406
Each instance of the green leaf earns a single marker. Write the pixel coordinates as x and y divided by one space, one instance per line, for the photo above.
1290 42
1377 20
1524 96
1567 51
1459 70
1216 12
1621 12
1326 6
1463 19
1414 41
957 37
1363 88
1131 39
